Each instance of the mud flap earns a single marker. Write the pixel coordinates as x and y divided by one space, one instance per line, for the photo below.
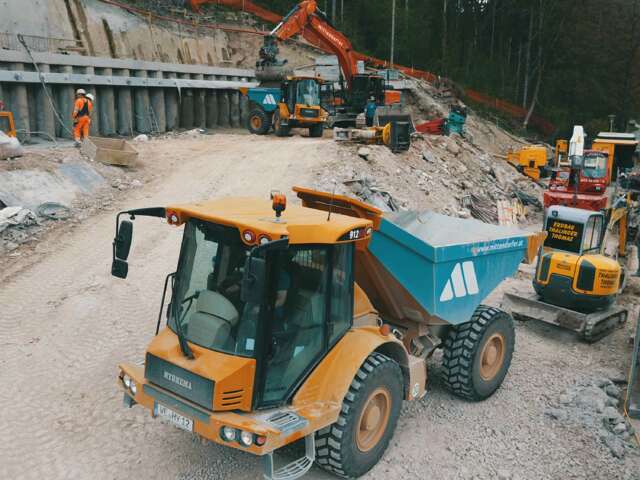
295 469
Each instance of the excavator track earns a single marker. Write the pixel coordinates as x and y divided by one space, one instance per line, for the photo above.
597 327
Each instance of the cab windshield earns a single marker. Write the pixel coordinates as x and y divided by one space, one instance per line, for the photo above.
308 92
594 166
206 298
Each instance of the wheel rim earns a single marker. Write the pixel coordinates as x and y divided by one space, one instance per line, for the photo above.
256 122
492 356
373 419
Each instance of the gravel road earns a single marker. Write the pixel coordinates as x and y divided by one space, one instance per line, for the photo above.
65 324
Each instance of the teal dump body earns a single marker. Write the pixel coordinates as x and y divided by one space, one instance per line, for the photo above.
267 98
448 265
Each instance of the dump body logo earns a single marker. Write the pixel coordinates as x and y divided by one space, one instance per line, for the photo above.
269 100
462 282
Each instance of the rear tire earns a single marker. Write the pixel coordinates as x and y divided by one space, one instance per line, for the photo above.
259 122
477 354
280 129
370 410
316 131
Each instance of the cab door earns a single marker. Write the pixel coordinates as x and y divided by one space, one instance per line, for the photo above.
312 309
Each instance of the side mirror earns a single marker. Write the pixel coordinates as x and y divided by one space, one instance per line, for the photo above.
119 268
123 239
253 280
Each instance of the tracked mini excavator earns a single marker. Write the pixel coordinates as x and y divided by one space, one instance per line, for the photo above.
315 322
575 283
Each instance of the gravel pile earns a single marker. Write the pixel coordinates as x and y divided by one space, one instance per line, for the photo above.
595 404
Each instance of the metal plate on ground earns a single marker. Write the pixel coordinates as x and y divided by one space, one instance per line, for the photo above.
633 393
174 418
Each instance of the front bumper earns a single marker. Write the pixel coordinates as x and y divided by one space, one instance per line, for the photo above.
207 424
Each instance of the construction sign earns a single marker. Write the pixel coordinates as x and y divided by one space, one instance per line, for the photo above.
564 235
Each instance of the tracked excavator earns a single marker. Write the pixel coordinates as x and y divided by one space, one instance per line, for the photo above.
575 284
356 86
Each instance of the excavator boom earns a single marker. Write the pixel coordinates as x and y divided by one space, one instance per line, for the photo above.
309 21
244 5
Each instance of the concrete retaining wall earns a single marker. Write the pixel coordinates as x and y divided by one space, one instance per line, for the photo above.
131 96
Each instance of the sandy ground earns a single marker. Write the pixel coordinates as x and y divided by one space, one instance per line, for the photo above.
65 324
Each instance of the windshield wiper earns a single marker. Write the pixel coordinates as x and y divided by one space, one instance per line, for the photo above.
184 345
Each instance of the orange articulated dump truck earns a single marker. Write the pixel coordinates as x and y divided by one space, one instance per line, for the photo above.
314 322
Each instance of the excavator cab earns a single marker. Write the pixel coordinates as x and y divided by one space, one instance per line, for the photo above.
571 271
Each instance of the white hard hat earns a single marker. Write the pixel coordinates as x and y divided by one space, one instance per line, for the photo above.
80 91
90 96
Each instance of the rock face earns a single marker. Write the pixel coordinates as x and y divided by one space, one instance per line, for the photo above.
594 404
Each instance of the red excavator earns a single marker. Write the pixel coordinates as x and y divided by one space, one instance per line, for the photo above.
312 23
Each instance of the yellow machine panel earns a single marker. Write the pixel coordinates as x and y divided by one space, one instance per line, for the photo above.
530 160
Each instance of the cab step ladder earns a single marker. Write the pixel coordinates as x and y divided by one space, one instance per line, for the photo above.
295 469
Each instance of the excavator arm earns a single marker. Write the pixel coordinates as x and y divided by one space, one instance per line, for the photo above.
309 21
304 19
244 5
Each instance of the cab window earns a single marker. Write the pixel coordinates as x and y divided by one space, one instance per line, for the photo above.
341 315
592 234
297 330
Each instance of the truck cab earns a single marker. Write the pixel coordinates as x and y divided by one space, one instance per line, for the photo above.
293 103
584 186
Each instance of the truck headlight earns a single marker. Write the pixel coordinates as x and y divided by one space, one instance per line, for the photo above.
133 388
246 438
126 379
228 433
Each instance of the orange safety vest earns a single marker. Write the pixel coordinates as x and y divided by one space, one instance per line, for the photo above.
82 108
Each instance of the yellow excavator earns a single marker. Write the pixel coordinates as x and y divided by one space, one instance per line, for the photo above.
530 160
575 283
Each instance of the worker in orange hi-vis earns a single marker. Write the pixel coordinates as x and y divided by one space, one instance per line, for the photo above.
81 116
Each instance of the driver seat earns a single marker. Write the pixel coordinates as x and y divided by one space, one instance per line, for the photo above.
211 323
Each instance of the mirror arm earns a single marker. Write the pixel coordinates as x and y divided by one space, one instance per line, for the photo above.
164 294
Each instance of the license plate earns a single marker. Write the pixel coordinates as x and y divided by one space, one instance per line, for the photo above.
174 418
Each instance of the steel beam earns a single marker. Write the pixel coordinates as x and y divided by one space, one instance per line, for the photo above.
14 76
11 56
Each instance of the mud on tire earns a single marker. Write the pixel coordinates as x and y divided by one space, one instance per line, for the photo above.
259 122
477 354
346 448
280 129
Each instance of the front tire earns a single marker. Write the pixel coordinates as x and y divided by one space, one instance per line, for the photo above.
477 354
316 131
259 122
370 410
280 129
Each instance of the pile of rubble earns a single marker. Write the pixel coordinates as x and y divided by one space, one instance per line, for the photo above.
451 175
595 404
464 176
